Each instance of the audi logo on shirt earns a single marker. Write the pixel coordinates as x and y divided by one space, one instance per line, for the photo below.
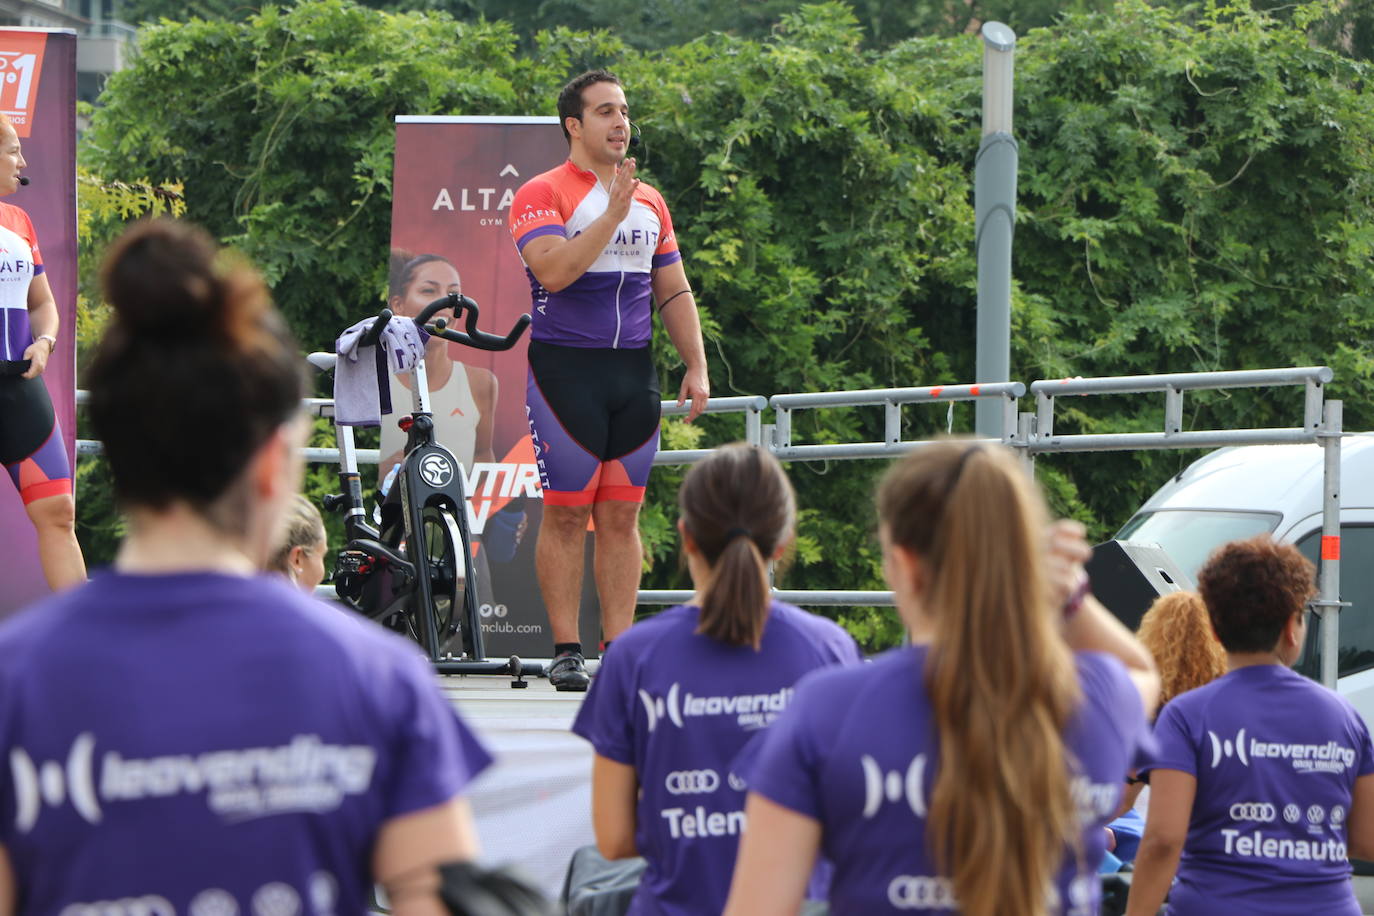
692 782
921 892
1258 812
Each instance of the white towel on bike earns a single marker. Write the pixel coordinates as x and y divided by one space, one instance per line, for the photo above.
361 390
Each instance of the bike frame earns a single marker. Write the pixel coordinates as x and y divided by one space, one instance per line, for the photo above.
430 477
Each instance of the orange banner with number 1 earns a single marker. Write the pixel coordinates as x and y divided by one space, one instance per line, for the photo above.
21 65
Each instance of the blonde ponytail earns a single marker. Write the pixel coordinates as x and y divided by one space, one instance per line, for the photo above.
999 675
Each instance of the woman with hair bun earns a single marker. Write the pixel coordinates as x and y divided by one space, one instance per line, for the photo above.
1263 786
184 734
679 695
973 770
31 446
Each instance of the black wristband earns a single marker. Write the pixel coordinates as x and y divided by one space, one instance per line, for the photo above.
672 297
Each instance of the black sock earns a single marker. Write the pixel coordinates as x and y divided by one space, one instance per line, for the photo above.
560 647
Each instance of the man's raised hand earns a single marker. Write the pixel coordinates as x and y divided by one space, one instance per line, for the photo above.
622 191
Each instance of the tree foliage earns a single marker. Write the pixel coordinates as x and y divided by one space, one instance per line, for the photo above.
1195 193
104 207
282 128
1345 26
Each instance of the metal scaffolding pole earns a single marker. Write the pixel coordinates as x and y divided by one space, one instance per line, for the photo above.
1328 602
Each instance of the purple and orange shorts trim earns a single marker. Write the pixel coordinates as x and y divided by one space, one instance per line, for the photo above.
594 417
31 446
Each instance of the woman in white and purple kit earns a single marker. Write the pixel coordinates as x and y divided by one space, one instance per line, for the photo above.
1264 780
181 734
678 696
973 770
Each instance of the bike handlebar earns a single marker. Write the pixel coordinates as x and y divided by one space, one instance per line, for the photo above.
471 336
374 333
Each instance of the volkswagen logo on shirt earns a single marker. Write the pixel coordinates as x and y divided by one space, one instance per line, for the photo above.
692 782
1258 812
436 470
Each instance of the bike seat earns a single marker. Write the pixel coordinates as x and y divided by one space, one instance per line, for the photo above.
324 362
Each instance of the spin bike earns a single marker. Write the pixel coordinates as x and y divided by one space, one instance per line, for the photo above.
413 573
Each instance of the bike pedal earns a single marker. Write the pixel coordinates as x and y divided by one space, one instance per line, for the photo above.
353 561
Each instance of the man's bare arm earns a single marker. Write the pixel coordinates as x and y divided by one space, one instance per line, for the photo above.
557 262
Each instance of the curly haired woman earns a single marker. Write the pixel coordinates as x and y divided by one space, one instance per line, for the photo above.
1179 635
1264 782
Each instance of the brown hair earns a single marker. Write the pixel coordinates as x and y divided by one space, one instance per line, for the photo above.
301 526
195 371
738 507
402 266
999 675
1251 588
570 104
1178 633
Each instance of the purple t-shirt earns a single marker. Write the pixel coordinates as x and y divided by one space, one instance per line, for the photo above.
858 752
678 707
211 744
1276 757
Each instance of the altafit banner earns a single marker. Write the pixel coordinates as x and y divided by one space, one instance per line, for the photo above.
454 181
38 93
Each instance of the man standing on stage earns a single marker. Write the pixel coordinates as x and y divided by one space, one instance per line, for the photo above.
599 248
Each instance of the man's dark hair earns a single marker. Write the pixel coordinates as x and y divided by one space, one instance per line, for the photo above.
570 103
1251 589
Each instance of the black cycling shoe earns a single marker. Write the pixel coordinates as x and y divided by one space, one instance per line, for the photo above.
569 672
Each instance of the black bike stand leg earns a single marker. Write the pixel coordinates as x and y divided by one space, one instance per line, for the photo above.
473 643
424 586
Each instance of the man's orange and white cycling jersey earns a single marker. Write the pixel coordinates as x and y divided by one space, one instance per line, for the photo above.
610 304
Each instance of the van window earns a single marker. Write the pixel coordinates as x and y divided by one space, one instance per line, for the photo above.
1357 587
1188 536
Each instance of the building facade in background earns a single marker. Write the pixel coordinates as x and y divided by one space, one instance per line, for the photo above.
104 42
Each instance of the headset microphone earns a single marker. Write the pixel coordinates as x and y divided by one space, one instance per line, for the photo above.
634 136
23 180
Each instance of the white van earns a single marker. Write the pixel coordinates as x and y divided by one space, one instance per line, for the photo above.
1240 492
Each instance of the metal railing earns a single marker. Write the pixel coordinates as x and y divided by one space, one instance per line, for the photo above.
1032 433
1321 423
891 400
752 406
1173 386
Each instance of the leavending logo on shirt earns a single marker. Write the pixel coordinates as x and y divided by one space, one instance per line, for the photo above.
305 774
1330 757
751 710
1093 801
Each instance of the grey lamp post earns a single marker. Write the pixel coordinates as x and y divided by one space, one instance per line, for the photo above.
994 207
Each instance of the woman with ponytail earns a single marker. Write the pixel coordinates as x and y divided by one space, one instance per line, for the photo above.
679 696
184 734
973 770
